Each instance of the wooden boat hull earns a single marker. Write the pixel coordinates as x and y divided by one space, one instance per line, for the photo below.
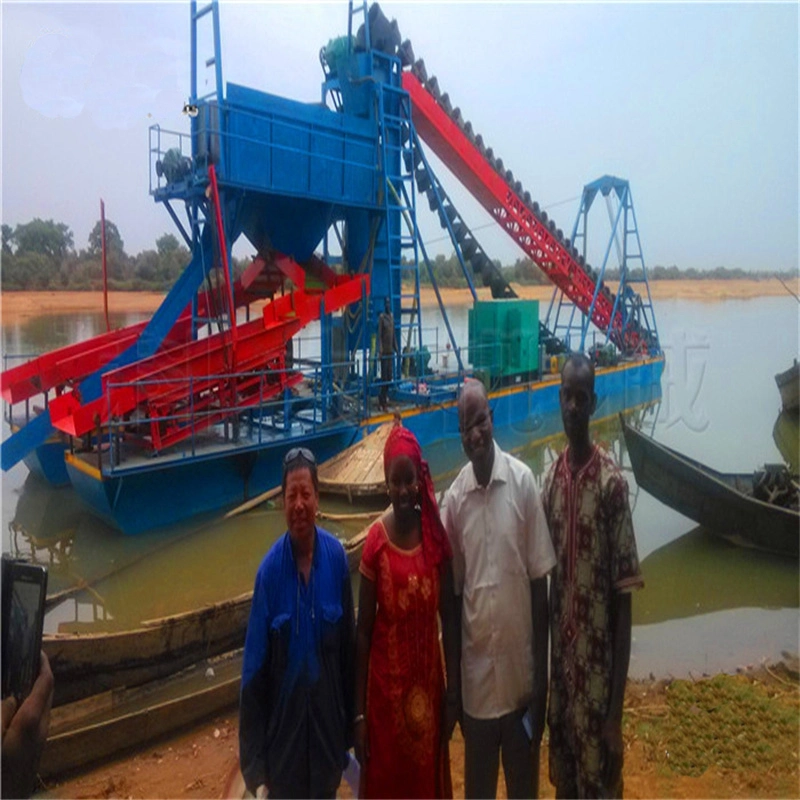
786 435
101 726
86 664
358 470
789 387
717 501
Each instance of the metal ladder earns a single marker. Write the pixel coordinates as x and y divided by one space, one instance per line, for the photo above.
398 236
214 60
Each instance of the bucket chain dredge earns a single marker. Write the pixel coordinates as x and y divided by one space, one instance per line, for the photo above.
194 409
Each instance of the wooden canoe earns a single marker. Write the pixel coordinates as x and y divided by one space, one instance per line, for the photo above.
789 387
786 435
723 503
87 664
103 725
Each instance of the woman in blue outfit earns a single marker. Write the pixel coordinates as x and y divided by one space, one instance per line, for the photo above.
296 704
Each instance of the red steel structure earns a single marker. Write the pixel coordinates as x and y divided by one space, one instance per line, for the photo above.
63 369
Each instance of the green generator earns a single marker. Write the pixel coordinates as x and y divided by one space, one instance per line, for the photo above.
504 337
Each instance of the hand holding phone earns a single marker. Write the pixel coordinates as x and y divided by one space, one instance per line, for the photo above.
24 592
27 681
25 730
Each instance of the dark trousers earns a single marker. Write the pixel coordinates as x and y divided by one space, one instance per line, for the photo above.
387 373
484 741
565 774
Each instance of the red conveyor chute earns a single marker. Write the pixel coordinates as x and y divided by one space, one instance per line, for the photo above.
464 160
66 367
184 389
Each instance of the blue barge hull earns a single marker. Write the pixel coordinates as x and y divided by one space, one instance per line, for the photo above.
160 492
47 460
154 495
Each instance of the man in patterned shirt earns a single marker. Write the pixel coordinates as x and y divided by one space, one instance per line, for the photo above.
586 502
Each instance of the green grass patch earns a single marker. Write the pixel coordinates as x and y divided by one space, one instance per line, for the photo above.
729 722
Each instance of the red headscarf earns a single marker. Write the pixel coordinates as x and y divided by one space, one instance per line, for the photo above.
435 544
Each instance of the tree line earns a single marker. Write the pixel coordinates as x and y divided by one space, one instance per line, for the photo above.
448 273
41 254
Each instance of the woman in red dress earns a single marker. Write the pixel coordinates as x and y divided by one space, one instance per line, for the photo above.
404 718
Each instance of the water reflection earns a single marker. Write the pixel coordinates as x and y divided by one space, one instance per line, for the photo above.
43 528
35 335
699 573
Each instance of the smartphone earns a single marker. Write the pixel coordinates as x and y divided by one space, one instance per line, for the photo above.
24 591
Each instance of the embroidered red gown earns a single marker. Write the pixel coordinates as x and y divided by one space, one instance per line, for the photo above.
406 675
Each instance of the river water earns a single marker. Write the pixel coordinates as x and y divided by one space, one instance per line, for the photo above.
707 606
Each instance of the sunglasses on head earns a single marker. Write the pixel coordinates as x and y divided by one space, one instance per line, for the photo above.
299 452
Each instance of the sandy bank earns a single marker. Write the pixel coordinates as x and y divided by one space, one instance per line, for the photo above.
18 306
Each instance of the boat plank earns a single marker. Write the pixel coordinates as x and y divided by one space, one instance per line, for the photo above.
358 470
78 748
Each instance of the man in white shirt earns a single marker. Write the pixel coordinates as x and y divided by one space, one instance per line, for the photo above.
501 556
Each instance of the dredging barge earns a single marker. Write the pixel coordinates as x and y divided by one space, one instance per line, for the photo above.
194 410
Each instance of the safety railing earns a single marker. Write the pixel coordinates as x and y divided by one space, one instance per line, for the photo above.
8 408
170 157
213 416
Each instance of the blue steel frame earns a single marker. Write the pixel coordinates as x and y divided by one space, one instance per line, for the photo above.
625 234
441 196
226 126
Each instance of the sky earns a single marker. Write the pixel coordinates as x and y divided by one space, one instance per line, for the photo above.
696 104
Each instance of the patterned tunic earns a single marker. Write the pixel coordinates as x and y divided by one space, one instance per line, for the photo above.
592 532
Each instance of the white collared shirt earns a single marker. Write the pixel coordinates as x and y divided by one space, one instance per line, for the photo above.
500 544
